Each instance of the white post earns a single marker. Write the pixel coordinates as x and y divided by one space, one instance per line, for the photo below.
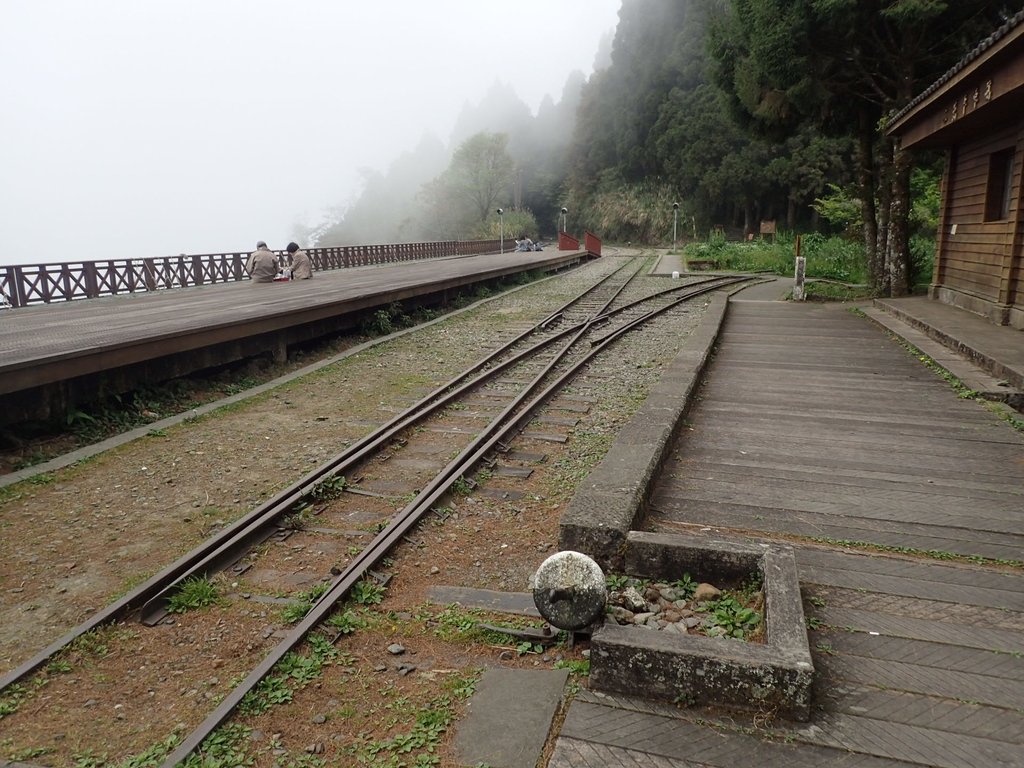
798 276
675 218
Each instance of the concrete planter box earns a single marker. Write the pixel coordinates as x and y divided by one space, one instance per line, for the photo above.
775 676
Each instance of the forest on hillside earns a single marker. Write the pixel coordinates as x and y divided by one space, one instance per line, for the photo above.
737 110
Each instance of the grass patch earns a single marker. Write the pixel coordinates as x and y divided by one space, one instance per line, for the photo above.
580 456
462 486
226 747
297 611
961 389
833 258
193 594
579 667
11 699
329 488
418 745
346 622
455 624
367 592
729 617
818 290
97 642
291 673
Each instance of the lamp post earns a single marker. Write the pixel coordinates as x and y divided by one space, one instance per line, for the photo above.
675 218
565 218
501 228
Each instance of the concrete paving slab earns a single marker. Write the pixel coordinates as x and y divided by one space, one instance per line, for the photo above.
668 263
510 716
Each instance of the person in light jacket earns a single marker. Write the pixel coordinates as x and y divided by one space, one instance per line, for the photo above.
262 264
301 267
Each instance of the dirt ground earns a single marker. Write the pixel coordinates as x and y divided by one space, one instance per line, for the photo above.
75 539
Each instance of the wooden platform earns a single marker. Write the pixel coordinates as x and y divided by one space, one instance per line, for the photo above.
174 332
815 428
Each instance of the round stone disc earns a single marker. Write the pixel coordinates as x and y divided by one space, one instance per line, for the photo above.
569 590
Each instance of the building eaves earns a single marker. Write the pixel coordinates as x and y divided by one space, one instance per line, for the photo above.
1012 23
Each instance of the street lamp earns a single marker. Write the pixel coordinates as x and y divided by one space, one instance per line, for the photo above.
565 218
675 218
501 228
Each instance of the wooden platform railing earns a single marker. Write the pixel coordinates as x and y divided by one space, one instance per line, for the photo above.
25 284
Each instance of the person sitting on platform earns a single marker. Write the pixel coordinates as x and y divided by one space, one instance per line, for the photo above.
262 264
526 244
301 267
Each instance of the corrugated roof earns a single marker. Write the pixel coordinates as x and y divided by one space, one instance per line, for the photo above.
1013 22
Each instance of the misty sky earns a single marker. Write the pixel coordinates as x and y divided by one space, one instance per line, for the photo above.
141 128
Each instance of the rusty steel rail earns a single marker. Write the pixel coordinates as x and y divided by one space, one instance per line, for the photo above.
25 284
510 421
221 551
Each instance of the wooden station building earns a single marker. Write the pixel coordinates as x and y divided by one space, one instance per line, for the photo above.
975 112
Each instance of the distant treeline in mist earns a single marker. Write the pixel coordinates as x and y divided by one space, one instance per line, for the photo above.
499 155
737 110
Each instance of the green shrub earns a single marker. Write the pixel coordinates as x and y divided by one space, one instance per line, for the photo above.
833 258
922 258
514 224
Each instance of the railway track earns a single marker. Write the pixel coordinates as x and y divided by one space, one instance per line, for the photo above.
505 389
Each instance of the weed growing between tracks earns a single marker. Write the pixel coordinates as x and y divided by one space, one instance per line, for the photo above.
390 665
194 593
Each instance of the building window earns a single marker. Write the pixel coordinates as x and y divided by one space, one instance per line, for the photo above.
1000 185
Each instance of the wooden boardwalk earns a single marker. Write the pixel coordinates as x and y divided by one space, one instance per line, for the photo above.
130 326
55 356
815 428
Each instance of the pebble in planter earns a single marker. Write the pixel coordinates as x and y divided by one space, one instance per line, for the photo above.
685 607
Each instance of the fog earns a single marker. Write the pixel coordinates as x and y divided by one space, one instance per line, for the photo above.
136 128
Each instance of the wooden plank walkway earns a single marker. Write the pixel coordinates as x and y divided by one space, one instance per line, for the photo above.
815 428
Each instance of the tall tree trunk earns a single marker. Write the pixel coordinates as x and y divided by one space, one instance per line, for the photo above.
883 179
866 188
898 249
